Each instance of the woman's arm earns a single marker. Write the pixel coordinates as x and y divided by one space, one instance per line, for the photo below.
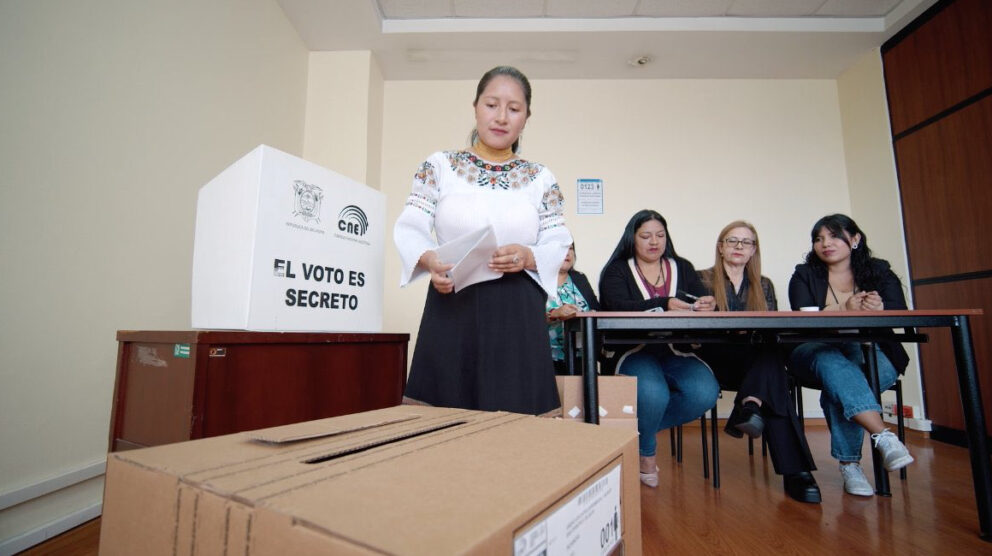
890 288
801 289
413 232
553 238
690 279
585 289
769 290
690 282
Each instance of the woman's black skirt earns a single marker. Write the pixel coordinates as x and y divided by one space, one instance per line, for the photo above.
485 347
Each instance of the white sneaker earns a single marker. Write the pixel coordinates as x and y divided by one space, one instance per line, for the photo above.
894 454
855 481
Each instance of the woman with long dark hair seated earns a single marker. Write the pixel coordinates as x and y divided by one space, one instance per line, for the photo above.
645 274
840 274
756 372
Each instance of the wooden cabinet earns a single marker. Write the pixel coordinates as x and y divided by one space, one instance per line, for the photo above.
181 385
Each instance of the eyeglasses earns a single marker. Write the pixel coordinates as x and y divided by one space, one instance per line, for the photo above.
737 242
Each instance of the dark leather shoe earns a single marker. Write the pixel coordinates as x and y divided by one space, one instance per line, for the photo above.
731 426
747 420
802 487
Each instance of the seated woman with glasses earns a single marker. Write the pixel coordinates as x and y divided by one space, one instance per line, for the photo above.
574 295
840 274
756 371
645 274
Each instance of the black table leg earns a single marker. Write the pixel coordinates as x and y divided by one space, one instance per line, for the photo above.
716 449
591 386
881 475
570 353
974 419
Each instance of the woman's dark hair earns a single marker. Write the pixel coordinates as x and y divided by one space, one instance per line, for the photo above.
508 71
842 227
625 248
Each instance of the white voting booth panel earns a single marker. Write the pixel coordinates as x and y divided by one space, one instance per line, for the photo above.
284 244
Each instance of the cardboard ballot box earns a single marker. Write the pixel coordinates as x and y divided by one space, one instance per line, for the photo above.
402 480
283 244
617 400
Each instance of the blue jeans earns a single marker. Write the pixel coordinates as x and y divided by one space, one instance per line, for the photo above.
671 390
836 369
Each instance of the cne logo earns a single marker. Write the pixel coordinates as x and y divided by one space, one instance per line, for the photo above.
308 198
352 219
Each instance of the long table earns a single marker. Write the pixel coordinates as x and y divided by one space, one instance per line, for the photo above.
599 328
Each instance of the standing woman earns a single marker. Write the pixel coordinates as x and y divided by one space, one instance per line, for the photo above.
645 274
840 274
486 346
574 295
756 372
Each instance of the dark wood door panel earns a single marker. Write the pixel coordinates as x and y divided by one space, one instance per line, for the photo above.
945 175
944 62
940 382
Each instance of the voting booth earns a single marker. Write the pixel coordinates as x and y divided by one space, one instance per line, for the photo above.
283 244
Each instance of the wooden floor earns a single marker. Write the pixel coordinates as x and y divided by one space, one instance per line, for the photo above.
931 513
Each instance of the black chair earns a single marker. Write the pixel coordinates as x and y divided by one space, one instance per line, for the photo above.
676 442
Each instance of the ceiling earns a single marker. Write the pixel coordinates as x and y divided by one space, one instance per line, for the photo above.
604 39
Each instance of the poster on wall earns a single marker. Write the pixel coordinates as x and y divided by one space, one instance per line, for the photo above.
589 196
283 244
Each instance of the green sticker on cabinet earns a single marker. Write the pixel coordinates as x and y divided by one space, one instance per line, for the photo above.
181 351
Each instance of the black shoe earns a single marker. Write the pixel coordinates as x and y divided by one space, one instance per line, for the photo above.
749 420
802 487
731 426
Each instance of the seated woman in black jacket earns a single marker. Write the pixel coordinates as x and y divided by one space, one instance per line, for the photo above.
756 371
645 274
574 295
840 274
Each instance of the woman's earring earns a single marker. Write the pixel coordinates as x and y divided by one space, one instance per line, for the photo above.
855 246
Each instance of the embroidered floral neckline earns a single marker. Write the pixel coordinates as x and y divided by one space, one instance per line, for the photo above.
487 165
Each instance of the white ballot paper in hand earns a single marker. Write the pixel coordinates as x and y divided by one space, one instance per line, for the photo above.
470 254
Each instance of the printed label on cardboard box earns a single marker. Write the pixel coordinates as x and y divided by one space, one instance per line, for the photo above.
589 523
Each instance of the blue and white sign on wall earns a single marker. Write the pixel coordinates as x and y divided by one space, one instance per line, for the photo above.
589 195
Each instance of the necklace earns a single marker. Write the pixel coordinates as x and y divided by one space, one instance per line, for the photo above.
492 155
830 287
661 273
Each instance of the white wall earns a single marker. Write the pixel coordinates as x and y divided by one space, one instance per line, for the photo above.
343 129
871 172
113 114
701 152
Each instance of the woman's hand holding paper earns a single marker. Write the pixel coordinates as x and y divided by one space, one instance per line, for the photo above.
439 272
512 258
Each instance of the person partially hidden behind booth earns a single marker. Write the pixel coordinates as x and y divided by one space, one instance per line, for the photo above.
840 274
645 274
574 295
756 371
486 345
